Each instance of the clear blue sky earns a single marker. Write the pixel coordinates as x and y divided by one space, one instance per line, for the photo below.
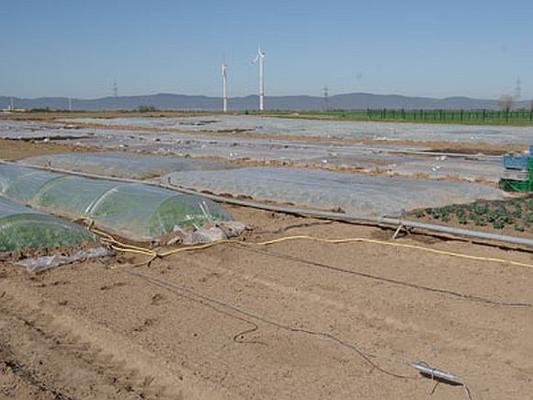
430 48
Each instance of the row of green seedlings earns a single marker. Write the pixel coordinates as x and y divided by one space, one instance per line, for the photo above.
518 213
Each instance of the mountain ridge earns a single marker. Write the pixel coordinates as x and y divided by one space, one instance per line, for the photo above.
170 101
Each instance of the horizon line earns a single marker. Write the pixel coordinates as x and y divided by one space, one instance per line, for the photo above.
255 95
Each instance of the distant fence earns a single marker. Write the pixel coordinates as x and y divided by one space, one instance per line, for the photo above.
451 115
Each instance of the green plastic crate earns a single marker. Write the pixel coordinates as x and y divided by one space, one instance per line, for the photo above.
530 165
510 185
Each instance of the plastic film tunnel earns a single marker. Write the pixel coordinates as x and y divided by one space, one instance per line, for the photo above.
134 211
22 228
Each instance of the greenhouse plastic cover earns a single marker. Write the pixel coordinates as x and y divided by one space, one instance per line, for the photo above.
135 211
121 164
320 128
11 129
22 228
355 194
391 156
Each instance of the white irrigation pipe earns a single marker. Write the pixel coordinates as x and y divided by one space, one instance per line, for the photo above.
396 222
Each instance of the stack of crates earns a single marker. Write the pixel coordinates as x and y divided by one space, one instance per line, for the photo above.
518 172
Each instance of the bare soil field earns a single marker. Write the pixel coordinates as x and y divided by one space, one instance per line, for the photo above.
297 319
11 150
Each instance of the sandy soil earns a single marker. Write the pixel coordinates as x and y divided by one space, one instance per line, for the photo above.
11 150
255 322
37 361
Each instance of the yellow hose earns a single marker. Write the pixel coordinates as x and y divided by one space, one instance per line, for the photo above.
350 240
118 245
408 246
152 254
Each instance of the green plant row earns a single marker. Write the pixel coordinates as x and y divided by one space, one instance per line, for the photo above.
499 214
30 231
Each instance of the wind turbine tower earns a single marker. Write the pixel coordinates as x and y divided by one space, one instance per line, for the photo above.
261 59
69 103
224 86
115 89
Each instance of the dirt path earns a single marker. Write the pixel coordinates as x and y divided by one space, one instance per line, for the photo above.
295 320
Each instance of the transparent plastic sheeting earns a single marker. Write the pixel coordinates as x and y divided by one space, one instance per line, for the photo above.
394 158
120 164
489 170
42 263
357 194
354 129
10 129
134 211
22 228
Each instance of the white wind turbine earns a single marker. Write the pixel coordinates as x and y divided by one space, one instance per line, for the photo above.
224 86
261 58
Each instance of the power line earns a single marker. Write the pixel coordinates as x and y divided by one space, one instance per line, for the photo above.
518 89
325 91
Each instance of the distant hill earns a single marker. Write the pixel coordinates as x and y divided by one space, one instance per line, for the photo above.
166 101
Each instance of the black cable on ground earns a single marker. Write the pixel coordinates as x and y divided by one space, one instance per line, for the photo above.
210 302
463 296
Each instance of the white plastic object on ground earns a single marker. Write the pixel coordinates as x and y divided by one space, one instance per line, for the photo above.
40 264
